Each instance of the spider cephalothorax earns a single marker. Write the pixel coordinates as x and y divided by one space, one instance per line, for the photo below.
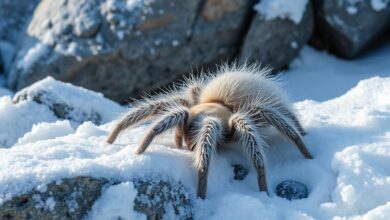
234 105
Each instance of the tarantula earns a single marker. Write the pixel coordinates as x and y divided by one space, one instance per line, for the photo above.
234 105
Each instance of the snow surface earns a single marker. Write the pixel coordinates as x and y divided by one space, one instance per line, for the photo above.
107 205
272 9
344 106
352 5
320 76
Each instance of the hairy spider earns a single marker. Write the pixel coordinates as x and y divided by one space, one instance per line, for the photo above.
234 105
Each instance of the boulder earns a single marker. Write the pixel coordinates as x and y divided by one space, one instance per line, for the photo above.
66 199
278 31
73 198
14 15
347 28
70 102
1 63
124 49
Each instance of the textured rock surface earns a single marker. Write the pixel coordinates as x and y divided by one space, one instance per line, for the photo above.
72 198
14 14
121 49
159 199
65 199
1 63
275 42
292 190
239 171
347 28
14 17
68 102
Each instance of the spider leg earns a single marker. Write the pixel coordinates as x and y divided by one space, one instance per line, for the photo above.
245 130
278 121
177 115
289 114
208 132
179 137
142 112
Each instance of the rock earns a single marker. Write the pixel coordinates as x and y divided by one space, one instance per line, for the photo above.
7 50
240 171
124 49
1 63
66 199
73 198
274 40
347 28
292 190
218 30
14 15
162 199
69 102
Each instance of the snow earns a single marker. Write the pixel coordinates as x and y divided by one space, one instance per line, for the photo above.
17 120
81 102
116 201
34 54
319 76
344 106
45 130
272 9
379 5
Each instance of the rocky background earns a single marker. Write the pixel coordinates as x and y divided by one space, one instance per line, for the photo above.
124 48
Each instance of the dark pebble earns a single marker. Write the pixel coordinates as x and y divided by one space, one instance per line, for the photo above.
240 171
292 190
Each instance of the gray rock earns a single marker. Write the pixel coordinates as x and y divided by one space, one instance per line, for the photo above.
276 42
347 28
239 171
124 50
292 190
162 199
14 15
66 199
1 63
218 30
69 102
73 198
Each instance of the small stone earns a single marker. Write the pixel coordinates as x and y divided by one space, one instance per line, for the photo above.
292 190
240 171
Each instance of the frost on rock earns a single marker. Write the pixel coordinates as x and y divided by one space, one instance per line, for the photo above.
18 119
69 102
54 202
33 55
162 199
379 5
284 9
116 202
351 5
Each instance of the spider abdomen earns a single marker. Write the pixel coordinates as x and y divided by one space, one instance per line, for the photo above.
238 89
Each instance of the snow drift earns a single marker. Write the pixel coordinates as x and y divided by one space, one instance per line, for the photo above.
348 179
